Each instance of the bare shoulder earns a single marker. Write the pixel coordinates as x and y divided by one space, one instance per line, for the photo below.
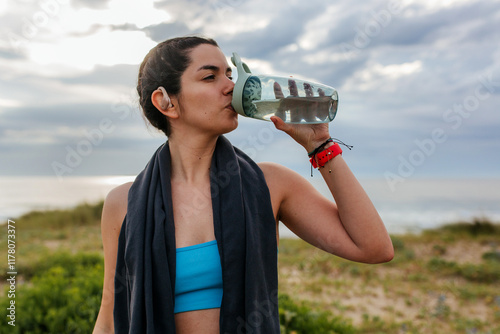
115 207
281 179
276 172
272 172
272 169
119 194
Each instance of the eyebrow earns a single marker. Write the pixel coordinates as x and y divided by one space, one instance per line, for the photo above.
213 68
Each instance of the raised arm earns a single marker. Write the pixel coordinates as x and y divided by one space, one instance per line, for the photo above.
350 227
113 213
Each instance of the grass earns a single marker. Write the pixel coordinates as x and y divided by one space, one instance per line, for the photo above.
41 234
441 281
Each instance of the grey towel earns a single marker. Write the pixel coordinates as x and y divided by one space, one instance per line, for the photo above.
245 230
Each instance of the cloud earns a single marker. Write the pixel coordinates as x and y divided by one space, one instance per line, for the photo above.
162 31
400 74
102 48
3 6
93 4
115 12
377 76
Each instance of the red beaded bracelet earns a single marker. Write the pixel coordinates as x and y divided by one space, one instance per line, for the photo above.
320 159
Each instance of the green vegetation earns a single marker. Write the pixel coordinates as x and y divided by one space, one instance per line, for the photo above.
83 215
64 296
487 272
478 227
441 281
299 318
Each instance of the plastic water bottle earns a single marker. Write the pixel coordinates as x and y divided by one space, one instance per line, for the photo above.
294 101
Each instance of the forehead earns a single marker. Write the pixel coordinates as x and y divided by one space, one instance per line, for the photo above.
206 54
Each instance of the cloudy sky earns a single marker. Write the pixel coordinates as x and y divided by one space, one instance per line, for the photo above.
418 80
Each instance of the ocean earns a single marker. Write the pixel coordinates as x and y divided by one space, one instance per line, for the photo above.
413 205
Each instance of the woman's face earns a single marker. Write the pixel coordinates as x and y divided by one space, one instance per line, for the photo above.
207 91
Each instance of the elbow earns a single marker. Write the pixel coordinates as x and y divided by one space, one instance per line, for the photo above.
385 257
379 254
382 255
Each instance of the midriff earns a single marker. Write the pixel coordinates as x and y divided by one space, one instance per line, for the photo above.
198 322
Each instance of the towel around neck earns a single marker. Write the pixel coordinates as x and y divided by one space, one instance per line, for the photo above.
245 230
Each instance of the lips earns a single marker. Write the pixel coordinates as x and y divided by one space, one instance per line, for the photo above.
230 106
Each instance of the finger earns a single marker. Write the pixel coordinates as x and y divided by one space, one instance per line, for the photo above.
308 89
278 93
292 87
321 92
280 124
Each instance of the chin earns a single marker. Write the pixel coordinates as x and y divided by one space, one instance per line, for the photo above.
233 126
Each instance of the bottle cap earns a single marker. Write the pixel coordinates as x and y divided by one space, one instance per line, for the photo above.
246 89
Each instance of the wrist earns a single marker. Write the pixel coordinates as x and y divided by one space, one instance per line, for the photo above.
314 144
320 147
324 153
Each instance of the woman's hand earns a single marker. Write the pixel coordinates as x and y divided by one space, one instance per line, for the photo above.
309 136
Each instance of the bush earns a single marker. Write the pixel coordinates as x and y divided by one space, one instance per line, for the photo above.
64 298
397 243
72 263
300 319
481 273
402 253
475 228
83 215
444 267
492 256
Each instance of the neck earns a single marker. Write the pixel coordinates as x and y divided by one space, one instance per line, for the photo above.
191 158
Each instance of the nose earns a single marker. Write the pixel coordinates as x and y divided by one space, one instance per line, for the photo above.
229 86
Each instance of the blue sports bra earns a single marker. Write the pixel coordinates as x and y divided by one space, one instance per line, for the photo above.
198 277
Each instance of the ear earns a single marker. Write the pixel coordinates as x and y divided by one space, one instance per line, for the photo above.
163 103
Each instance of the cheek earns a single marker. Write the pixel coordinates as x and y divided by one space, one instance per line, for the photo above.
192 102
198 97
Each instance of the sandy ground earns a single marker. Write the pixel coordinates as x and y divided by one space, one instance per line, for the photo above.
401 294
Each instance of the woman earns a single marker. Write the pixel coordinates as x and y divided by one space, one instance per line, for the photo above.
191 245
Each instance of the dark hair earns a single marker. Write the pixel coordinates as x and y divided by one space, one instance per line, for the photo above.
163 66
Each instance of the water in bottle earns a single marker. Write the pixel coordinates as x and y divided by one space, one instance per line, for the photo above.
293 100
